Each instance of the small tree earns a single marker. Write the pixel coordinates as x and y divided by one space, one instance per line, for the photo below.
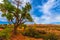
15 14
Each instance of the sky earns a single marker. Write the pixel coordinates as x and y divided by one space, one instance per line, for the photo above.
42 12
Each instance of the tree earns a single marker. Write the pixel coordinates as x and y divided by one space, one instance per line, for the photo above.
11 12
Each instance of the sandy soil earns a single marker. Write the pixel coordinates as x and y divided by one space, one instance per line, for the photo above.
21 37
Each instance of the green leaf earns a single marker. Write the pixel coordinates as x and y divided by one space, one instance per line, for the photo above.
28 16
3 15
9 16
9 11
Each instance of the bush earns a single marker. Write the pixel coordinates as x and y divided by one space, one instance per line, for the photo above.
22 25
4 34
41 31
36 35
33 33
51 36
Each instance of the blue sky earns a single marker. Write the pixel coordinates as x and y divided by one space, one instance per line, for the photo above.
43 11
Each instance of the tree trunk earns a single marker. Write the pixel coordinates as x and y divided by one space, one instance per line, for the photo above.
15 28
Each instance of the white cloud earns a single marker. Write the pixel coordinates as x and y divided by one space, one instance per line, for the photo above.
48 15
2 18
1 1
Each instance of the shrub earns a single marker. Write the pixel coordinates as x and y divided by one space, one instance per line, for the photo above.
41 31
51 36
22 25
33 33
4 34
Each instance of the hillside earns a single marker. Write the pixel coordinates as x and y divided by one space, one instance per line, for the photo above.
45 29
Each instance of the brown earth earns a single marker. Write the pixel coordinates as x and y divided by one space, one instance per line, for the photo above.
49 29
1 29
21 37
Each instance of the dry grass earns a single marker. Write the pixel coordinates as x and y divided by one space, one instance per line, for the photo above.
48 28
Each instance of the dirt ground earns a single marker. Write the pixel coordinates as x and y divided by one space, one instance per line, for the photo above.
21 37
1 29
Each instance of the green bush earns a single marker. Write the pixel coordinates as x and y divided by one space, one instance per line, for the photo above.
3 26
4 34
42 31
51 36
33 33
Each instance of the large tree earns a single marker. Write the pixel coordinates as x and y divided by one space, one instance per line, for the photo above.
15 13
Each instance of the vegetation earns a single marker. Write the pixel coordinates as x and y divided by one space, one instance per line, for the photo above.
17 16
15 13
52 36
46 33
5 34
31 32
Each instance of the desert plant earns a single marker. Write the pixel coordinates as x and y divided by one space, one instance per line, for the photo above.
12 12
33 33
42 31
5 34
51 36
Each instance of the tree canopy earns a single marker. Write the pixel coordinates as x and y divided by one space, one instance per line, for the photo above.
15 14
12 12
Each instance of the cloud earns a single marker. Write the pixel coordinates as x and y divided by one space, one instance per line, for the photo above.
49 9
1 1
49 15
2 18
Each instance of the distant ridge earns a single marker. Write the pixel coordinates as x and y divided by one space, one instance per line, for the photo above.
3 22
44 25
54 23
57 23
